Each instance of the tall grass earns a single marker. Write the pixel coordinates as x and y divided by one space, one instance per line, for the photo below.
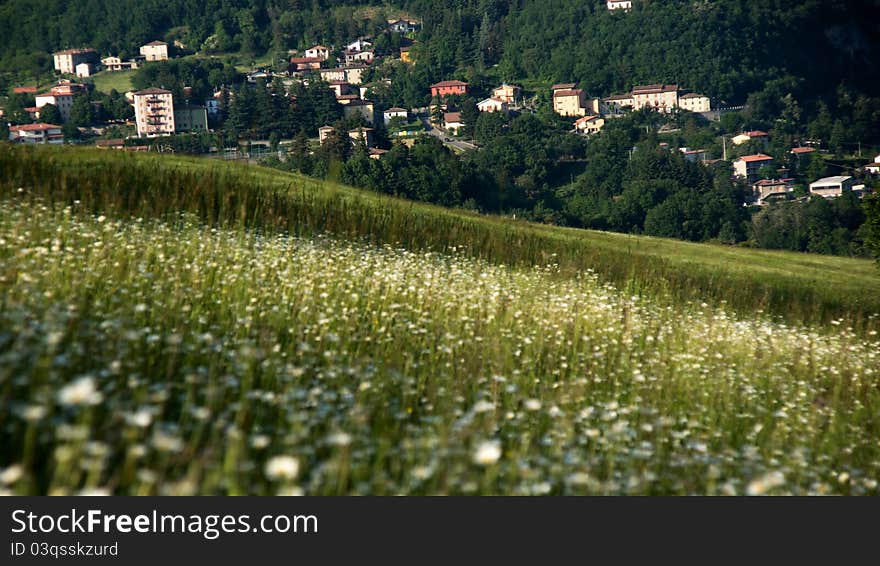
796 287
173 357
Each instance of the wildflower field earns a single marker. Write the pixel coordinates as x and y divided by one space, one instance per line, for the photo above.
180 327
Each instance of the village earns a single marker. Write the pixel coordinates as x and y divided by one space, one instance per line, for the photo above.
342 69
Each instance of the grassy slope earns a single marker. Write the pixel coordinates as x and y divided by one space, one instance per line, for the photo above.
800 287
106 81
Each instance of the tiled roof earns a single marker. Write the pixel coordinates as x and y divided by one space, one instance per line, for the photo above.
34 127
755 158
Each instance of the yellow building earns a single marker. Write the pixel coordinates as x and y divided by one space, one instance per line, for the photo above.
694 102
155 51
570 102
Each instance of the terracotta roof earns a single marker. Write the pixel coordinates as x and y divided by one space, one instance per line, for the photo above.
448 83
33 127
157 42
755 158
493 99
319 47
655 88
563 86
396 109
377 151
618 97
295 60
452 117
110 143
771 182
25 90
585 119
755 134
799 150
347 97
338 82
152 90
568 92
694 95
31 109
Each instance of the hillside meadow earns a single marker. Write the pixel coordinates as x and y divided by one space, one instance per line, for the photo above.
173 326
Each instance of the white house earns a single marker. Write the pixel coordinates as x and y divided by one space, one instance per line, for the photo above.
155 51
831 187
318 52
492 104
36 133
359 45
619 4
393 113
694 102
452 122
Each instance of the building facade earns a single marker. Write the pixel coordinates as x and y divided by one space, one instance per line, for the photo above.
570 102
695 102
154 112
155 51
748 166
492 105
660 97
447 88
507 93
36 133
67 60
190 118
62 101
832 187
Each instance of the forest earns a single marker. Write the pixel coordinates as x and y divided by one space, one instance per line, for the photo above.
806 71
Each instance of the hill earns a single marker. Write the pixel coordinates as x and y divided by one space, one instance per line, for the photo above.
175 326
800 288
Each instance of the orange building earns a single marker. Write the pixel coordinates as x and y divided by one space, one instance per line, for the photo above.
446 88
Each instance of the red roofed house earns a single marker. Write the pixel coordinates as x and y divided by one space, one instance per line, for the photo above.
569 102
36 133
446 88
25 90
318 52
748 166
589 124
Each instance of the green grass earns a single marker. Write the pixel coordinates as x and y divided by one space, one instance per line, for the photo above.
799 288
105 81
163 331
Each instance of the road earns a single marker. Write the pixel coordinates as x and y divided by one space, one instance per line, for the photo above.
443 136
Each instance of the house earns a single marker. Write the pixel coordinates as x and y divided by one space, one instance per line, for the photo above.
362 134
693 155
831 187
115 64
354 73
446 88
507 93
619 5
330 75
872 168
36 133
693 102
766 191
589 124
359 45
363 107
358 56
61 100
563 86
154 112
305 63
452 122
748 166
492 105
799 151
33 112
324 133
570 102
406 55
393 113
155 51
85 70
660 97
746 137
67 60
376 153
616 103
24 90
190 118
339 88
318 52
260 75
403 26
118 143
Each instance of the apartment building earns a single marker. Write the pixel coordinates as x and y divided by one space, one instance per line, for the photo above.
154 112
67 60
